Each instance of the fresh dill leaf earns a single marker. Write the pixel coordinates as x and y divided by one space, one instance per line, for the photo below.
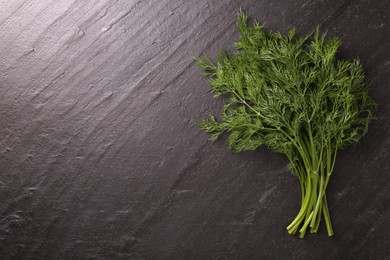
293 95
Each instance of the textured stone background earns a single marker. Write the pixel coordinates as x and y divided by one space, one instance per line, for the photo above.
100 156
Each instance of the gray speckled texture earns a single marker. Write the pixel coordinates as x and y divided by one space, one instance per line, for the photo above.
101 158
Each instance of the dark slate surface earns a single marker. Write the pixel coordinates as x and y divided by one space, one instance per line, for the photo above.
100 156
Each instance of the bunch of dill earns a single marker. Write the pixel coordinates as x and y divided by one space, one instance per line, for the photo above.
291 94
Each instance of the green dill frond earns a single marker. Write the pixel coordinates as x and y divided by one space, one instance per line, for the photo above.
282 84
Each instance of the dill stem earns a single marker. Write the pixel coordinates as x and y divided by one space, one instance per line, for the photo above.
328 222
293 227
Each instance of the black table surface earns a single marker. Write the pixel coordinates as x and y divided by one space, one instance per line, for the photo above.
101 156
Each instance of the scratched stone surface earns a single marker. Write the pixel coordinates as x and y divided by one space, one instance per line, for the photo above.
101 156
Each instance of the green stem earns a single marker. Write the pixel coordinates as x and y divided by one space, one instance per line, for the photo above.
304 227
245 103
313 151
293 227
315 229
328 222
319 201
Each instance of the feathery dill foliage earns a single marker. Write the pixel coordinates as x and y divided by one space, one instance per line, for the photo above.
291 94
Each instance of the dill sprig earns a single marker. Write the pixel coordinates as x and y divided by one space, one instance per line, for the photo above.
293 95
